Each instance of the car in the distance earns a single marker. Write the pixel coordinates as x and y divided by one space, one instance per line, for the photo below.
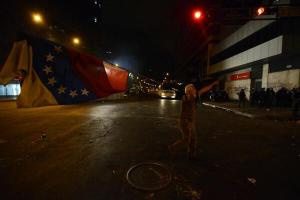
167 94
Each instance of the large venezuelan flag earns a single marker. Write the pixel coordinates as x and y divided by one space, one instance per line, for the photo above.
54 74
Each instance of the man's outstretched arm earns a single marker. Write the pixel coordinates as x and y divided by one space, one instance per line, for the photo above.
207 88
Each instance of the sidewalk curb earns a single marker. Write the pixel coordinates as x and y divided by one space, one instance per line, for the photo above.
7 100
230 110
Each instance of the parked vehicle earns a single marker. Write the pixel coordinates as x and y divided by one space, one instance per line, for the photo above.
217 95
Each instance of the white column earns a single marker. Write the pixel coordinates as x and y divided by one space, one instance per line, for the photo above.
265 76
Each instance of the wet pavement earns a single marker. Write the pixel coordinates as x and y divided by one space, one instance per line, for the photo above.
84 152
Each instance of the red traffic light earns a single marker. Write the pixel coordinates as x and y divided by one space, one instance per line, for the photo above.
197 15
260 11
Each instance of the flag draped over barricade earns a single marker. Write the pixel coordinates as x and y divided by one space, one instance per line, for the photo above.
54 74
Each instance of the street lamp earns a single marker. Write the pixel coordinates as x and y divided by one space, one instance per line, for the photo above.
260 11
37 18
76 41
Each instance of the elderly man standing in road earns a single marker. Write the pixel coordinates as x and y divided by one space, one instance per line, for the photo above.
188 118
187 121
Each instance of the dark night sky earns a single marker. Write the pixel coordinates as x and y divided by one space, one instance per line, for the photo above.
149 37
147 29
155 34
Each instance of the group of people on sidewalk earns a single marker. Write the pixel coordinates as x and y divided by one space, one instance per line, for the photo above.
269 98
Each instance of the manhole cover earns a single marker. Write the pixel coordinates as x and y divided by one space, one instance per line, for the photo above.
149 176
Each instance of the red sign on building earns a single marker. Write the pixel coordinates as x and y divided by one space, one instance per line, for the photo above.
241 76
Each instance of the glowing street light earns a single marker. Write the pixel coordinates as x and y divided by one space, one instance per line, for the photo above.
117 64
37 18
260 11
76 41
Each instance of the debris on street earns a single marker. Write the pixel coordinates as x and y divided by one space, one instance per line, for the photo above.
43 136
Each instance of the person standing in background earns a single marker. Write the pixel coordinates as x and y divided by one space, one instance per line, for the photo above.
296 104
242 98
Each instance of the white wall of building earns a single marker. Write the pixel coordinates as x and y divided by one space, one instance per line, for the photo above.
267 49
289 79
235 86
248 29
278 2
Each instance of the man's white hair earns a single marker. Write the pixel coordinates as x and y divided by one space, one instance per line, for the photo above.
190 87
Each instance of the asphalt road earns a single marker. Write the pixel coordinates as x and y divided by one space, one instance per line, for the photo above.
84 152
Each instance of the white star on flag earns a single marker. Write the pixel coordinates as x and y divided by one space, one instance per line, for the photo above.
73 93
49 57
47 69
51 81
58 49
61 90
84 92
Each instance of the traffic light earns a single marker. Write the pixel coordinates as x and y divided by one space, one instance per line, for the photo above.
197 15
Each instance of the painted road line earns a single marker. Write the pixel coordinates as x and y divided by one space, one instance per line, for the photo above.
230 110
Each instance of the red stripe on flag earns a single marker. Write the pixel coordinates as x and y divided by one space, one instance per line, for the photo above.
91 72
117 77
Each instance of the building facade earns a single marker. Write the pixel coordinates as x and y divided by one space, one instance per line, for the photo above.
263 53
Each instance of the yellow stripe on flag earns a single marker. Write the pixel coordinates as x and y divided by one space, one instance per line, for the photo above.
33 92
15 63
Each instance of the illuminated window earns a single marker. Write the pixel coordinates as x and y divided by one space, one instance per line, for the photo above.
10 89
